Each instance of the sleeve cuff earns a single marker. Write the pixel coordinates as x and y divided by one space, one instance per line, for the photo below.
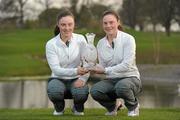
108 70
75 71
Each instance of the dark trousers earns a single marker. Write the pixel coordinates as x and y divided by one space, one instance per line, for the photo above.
59 89
107 91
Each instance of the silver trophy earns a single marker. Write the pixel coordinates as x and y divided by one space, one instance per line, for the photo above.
90 52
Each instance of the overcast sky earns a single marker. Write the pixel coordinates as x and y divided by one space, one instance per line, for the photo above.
33 9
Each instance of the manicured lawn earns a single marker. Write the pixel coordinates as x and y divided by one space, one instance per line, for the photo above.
147 43
22 52
90 114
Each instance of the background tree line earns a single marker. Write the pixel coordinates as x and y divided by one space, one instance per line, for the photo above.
141 12
133 13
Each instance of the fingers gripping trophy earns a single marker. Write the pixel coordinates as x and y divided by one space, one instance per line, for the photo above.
90 56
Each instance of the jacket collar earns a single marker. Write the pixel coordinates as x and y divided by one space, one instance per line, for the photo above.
60 42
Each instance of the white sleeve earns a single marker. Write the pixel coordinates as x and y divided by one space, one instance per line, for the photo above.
53 62
83 44
128 58
101 61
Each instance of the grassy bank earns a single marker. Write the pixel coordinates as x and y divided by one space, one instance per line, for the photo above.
22 52
90 114
151 45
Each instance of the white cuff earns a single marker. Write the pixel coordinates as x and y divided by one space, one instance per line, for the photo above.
108 70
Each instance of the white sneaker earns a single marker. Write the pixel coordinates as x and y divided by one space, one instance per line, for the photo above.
58 113
75 112
134 112
114 112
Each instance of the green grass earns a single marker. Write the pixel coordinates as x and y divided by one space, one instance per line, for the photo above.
168 47
90 114
22 52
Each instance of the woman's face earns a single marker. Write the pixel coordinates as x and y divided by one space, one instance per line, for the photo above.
110 24
66 26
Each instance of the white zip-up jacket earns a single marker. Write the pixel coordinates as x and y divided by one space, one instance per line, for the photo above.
119 61
64 60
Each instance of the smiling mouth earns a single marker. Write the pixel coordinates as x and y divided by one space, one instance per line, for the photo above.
109 29
67 32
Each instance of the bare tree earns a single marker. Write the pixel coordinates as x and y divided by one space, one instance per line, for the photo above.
6 5
46 3
14 9
160 11
74 6
20 6
156 11
177 12
7 8
167 13
129 12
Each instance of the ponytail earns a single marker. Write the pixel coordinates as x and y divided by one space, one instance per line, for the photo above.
120 27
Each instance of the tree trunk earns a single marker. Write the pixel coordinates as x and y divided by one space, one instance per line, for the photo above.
21 22
167 27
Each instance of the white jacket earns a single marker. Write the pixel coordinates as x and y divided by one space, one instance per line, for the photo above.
64 60
120 61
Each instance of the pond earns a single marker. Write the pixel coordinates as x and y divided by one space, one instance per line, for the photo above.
161 88
32 94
